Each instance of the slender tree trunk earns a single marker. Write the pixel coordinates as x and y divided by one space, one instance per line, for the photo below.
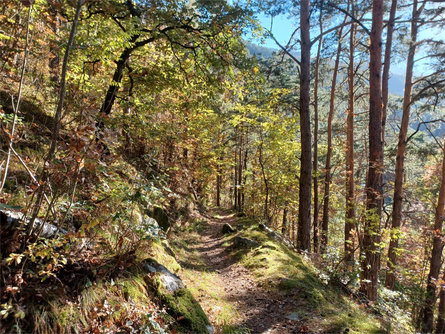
246 153
387 64
350 184
315 159
240 169
436 258
327 181
266 183
57 118
400 157
284 224
218 182
371 239
110 97
304 207
235 180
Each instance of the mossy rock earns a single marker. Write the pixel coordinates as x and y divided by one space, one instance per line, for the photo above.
184 307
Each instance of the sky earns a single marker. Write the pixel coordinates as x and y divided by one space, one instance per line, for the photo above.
283 28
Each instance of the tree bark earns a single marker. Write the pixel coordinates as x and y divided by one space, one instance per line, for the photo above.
315 159
400 157
387 64
371 239
327 181
284 224
240 170
266 183
436 258
218 182
110 97
246 154
304 207
350 184
57 118
235 180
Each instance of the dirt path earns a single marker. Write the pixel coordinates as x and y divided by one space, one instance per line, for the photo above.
259 310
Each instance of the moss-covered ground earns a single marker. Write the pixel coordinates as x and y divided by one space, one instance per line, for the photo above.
322 307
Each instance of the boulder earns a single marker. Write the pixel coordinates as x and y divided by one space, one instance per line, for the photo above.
170 281
241 242
179 301
270 233
227 229
293 316
14 219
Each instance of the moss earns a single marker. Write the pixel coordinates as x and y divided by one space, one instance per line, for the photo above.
135 288
279 268
184 307
161 255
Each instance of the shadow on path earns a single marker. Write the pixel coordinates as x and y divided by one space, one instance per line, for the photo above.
260 310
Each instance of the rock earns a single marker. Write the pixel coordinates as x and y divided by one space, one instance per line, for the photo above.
262 227
179 301
241 242
14 219
227 229
270 233
170 281
293 316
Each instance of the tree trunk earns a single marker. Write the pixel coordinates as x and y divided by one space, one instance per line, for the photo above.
304 207
400 157
350 185
371 239
284 224
387 64
240 170
110 97
436 258
218 182
235 180
246 153
57 118
327 181
315 159
266 183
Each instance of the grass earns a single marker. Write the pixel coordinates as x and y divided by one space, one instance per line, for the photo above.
101 305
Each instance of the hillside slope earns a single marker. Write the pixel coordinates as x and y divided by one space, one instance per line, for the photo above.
247 282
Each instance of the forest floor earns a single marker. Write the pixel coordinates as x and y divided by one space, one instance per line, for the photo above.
246 305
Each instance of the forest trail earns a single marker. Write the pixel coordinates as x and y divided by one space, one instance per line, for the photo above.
258 310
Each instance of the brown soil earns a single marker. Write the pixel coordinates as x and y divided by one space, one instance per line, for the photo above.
260 310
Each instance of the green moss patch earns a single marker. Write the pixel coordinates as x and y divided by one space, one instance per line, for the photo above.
184 307
322 306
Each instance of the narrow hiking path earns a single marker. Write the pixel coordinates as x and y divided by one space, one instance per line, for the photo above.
257 309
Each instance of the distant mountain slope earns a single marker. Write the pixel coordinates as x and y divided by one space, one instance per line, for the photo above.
396 81
258 50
